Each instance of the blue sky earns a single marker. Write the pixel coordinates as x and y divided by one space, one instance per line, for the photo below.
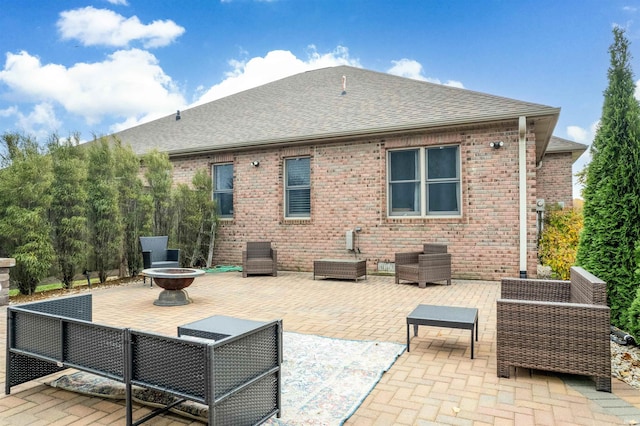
96 67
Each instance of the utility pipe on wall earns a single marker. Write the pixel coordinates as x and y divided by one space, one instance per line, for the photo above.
522 171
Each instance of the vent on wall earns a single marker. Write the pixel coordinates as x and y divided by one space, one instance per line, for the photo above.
349 239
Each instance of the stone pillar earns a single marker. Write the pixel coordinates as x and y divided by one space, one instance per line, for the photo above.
5 264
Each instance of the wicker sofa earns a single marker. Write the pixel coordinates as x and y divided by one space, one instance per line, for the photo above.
560 326
238 378
430 265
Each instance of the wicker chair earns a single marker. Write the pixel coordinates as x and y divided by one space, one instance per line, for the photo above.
560 326
259 259
155 254
432 264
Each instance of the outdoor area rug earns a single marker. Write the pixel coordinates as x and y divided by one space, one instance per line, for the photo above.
324 380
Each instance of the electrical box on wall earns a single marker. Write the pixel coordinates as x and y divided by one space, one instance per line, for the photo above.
349 238
540 205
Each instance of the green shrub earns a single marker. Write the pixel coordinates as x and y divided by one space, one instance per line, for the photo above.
559 241
633 321
633 314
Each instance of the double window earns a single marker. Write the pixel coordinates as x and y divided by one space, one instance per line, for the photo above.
424 182
297 187
223 189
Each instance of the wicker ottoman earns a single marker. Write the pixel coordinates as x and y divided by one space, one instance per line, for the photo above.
350 269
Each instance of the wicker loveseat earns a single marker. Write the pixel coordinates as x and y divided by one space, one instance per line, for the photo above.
430 265
238 377
560 326
259 259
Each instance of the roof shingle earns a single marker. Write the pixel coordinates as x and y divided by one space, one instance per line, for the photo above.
312 106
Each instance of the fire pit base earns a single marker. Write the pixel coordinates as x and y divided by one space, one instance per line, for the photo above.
173 281
172 298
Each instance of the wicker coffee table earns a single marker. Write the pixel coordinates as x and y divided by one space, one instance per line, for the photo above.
350 269
443 316
219 327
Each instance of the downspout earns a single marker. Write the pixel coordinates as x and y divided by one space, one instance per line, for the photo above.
522 171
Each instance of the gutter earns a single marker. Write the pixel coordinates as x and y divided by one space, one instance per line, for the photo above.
522 173
366 133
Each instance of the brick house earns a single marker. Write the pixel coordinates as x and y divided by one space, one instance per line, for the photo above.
306 159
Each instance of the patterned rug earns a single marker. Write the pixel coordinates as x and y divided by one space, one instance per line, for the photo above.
324 380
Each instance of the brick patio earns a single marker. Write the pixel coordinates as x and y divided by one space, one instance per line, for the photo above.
435 384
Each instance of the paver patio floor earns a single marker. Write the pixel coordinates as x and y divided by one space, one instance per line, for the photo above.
435 384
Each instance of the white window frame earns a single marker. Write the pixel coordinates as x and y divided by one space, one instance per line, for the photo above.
424 183
215 191
287 189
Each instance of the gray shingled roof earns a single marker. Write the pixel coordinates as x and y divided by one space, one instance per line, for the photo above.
310 106
557 144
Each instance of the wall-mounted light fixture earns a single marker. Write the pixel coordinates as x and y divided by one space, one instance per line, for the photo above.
496 145
255 163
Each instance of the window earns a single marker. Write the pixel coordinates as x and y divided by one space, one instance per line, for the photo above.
404 182
424 182
223 189
297 187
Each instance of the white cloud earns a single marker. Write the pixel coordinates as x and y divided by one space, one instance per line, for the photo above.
102 27
40 122
275 65
119 2
577 133
8 112
585 136
410 68
129 84
407 68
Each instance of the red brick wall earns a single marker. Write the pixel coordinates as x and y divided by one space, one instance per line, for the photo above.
555 183
348 190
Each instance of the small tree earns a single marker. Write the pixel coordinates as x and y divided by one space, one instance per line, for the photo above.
135 207
105 223
194 216
25 197
158 174
612 188
209 224
68 207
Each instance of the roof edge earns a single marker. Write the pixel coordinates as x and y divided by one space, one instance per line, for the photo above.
547 112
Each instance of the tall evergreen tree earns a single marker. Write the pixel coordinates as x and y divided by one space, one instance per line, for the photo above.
135 207
105 223
25 233
68 207
612 187
158 171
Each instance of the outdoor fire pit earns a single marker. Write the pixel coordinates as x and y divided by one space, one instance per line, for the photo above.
173 281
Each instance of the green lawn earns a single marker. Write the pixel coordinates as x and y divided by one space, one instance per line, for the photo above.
55 286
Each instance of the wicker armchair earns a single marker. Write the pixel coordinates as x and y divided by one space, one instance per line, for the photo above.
155 254
560 326
259 259
432 264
